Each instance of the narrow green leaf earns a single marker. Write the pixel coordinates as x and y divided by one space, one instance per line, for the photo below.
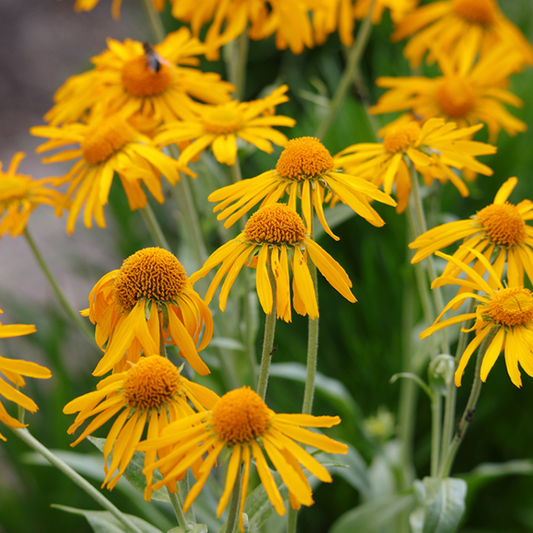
105 522
441 507
133 473
373 516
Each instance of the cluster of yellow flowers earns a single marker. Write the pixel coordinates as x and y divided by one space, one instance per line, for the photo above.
139 99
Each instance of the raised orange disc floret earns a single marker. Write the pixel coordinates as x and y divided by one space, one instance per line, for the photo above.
482 12
151 273
401 137
455 97
240 416
140 80
152 382
105 138
503 223
304 158
275 224
512 306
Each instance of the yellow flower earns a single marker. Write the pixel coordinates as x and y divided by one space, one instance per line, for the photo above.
460 29
107 145
241 423
432 149
220 126
505 312
499 232
13 370
131 80
150 393
304 169
149 297
465 94
88 5
274 238
288 19
398 9
20 195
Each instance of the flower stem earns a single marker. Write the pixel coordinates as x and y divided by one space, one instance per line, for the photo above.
236 59
312 351
178 511
470 408
155 21
436 420
292 520
451 393
66 306
268 339
153 227
421 227
354 57
234 504
31 441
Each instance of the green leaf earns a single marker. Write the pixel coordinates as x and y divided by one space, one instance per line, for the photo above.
133 473
486 472
356 474
200 528
441 506
373 516
105 522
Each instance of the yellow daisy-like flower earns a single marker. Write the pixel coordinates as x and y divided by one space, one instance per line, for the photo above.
221 126
20 195
152 393
460 29
106 145
432 148
241 423
465 94
288 19
148 301
398 9
131 79
506 312
304 169
88 5
274 238
499 232
13 370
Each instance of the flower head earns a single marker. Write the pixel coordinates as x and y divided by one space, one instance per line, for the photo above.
242 423
432 148
106 145
155 84
149 300
304 169
13 370
152 393
499 232
288 19
460 29
465 94
20 195
222 125
506 313
274 238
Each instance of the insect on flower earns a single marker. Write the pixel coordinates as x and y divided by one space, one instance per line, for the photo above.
153 59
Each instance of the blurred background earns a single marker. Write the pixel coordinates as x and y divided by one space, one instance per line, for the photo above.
361 345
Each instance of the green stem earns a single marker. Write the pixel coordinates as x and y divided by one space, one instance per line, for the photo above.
183 491
470 408
153 227
178 511
64 303
354 57
451 393
292 520
155 21
421 224
268 339
312 352
236 63
436 420
234 504
31 441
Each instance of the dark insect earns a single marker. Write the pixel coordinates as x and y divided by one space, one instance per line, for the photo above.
153 59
